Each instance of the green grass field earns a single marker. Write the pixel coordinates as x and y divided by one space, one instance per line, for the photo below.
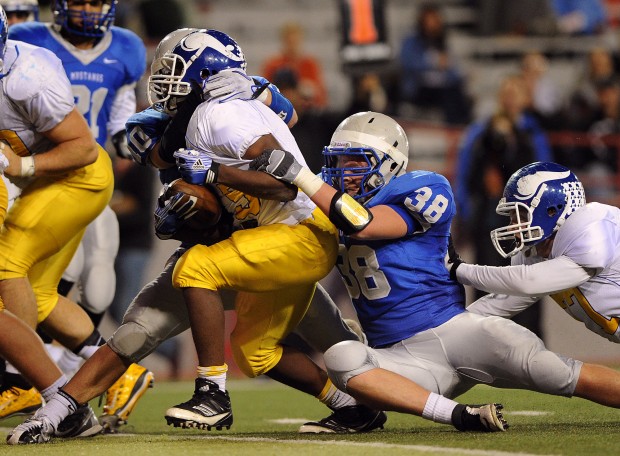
267 415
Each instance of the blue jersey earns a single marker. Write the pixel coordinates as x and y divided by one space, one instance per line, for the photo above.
400 287
101 77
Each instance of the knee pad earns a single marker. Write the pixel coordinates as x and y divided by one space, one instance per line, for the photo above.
553 374
347 359
132 341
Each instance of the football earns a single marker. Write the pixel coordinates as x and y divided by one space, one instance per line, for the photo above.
208 205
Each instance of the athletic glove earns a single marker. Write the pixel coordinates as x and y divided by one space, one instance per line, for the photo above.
279 163
171 214
234 84
454 259
119 141
144 130
174 134
196 167
283 166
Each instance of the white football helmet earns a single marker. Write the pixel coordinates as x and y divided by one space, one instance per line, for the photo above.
30 8
375 137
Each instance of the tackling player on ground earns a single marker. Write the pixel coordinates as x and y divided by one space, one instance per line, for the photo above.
395 231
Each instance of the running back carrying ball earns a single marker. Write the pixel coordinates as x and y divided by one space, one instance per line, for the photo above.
184 205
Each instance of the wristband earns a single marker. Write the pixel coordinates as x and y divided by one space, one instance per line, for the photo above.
27 166
212 173
308 182
281 105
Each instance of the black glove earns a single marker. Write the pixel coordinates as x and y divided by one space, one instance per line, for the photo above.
453 258
174 134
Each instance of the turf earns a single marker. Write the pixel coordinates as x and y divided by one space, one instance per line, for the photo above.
267 415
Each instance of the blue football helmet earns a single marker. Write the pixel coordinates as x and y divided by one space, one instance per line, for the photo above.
538 198
368 147
29 8
81 23
4 33
199 55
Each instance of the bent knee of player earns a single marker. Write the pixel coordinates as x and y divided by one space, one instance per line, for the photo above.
46 303
346 360
133 341
553 374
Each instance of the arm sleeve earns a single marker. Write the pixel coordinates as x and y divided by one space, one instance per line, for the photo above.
501 305
123 107
538 279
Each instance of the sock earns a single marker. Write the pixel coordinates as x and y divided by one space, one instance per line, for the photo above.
69 362
60 406
334 398
439 409
48 392
216 374
87 348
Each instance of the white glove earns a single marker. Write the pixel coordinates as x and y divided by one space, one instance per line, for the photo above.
232 84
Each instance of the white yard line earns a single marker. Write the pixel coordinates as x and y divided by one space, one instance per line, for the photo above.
382 445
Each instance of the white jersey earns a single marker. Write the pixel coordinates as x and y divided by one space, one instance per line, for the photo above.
225 131
35 97
582 274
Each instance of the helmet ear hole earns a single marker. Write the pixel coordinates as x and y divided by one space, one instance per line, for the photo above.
205 74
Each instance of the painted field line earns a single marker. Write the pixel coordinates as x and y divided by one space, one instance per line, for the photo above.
381 445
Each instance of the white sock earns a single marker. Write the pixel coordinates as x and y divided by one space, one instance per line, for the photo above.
216 374
48 392
334 398
439 409
60 406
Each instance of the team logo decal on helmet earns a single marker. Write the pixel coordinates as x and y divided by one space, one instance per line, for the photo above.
195 57
538 198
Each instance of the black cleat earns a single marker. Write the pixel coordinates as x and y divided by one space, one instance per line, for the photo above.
351 419
479 418
208 408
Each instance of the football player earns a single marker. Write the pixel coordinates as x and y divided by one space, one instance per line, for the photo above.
18 11
66 181
395 231
559 246
166 318
103 63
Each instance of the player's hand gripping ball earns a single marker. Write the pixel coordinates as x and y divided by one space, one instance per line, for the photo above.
183 208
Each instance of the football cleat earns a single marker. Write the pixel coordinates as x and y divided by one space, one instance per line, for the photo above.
16 401
208 408
351 419
480 418
33 430
123 395
81 423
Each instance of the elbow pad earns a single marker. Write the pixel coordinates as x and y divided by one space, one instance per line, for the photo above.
348 215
